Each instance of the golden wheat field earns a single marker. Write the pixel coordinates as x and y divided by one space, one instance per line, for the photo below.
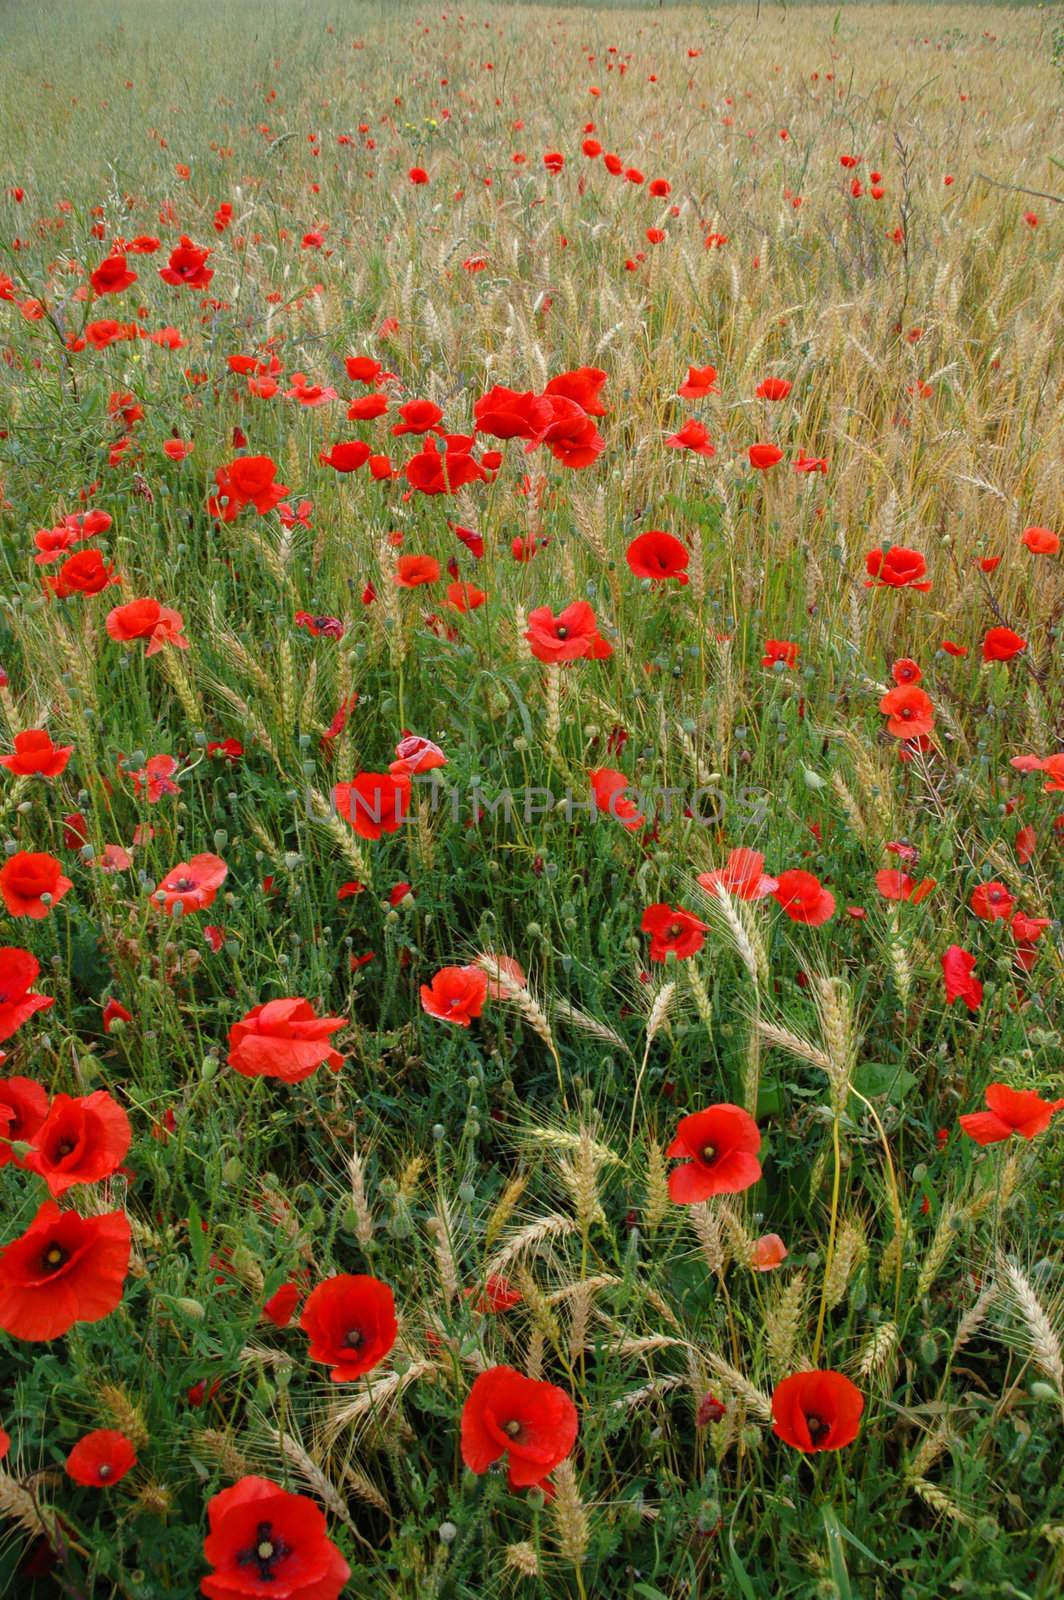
531 801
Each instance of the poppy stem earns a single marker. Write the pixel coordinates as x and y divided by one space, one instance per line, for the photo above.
829 1259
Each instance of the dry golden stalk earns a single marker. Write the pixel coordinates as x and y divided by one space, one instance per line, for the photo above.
657 1203
528 1239
218 1447
877 1355
359 1202
540 1310
579 1019
580 1177
568 1514
519 996
522 1559
310 1472
534 1357
706 1223
974 1318
19 1506
741 1387
941 1244
850 1249
365 1489
1042 1339
379 1392
939 1501
117 1407
504 1209
440 1228
783 1324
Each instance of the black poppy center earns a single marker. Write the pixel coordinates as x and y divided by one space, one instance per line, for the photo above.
64 1149
354 1338
183 884
511 1428
709 1151
563 632
265 1553
54 1257
817 1427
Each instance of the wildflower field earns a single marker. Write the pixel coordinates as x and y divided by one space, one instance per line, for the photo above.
532 787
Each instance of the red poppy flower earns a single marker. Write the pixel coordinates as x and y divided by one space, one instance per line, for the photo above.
35 753
608 789
419 416
115 1011
497 1296
583 385
265 1541
570 635
991 901
764 456
896 568
658 556
909 711
905 671
418 175
418 754
147 619
247 480
346 457
23 1107
456 994
1018 1111
84 573
374 802
958 968
100 1459
465 597
83 1138
895 885
364 369
284 1039
112 276
817 1411
1001 644
26 878
507 414
773 389
187 266
411 572
804 898
282 1303
768 1253
429 472
568 432
194 883
64 1269
534 1425
672 928
1041 541
350 1322
719 1146
780 650
809 464
700 381
742 876
694 436
18 969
